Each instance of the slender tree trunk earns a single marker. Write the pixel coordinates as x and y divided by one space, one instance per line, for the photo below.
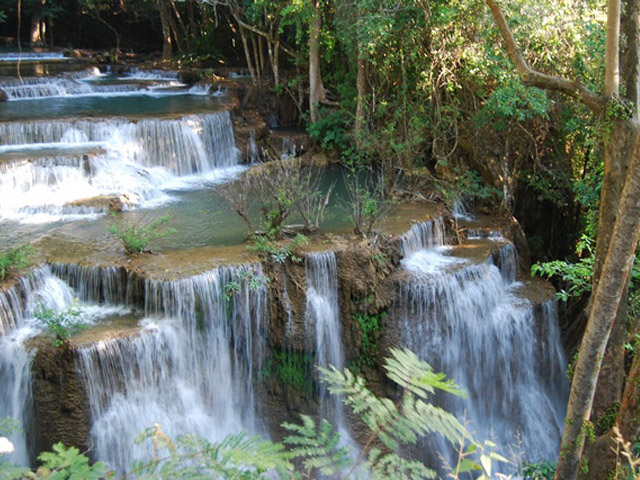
256 57
167 47
274 59
37 39
361 83
113 30
191 16
315 79
247 54
178 27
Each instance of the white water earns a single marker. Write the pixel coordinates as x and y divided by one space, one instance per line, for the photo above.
422 236
39 289
190 369
142 161
15 394
469 322
89 83
324 333
15 56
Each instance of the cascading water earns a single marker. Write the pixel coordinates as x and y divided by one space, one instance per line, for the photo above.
192 144
39 289
141 161
423 236
15 394
26 56
468 321
90 83
190 369
324 335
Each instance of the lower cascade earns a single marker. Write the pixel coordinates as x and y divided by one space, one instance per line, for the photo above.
190 369
193 352
471 323
323 318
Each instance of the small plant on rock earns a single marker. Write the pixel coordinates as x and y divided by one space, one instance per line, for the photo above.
62 325
14 259
135 238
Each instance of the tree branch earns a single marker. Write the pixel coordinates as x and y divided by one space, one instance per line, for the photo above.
533 78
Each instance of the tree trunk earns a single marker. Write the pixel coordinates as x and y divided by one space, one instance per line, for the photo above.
601 458
37 38
616 163
247 54
605 302
315 79
361 83
113 30
167 48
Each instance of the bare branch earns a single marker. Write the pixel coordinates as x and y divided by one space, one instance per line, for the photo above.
532 77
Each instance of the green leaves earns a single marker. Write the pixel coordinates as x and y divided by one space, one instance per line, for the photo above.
317 446
62 325
14 259
238 456
69 464
577 276
136 237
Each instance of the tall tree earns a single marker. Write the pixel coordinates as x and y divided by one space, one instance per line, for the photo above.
619 218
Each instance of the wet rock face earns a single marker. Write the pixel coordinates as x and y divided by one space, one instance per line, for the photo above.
3 96
60 406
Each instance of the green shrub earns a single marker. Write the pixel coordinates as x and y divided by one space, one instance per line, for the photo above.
292 368
539 471
278 252
62 325
15 259
135 238
369 327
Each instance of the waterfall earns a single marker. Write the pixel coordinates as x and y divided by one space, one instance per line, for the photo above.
29 56
18 301
137 164
508 262
324 331
38 289
15 394
191 144
423 235
190 369
96 284
468 321
87 83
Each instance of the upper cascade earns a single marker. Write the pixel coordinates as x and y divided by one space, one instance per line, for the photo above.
139 161
91 82
27 56
188 145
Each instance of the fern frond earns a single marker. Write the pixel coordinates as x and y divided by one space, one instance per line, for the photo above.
385 466
393 466
407 370
317 446
237 456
